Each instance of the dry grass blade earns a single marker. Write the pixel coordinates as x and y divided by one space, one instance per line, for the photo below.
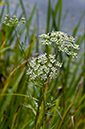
17 94
60 116
82 120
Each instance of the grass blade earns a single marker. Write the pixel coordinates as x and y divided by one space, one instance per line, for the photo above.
77 27
48 16
65 114
59 14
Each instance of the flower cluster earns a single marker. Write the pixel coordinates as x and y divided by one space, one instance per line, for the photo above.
61 41
13 22
42 66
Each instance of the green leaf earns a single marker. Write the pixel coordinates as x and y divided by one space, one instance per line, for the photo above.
37 91
28 106
66 113
59 14
76 70
77 27
65 15
6 48
47 92
48 113
48 16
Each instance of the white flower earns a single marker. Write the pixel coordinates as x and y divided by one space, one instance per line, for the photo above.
41 66
39 72
52 61
53 69
29 71
51 56
44 36
52 75
44 77
62 41
49 65
53 39
46 70
58 64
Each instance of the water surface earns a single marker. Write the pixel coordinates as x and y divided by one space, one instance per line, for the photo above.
76 8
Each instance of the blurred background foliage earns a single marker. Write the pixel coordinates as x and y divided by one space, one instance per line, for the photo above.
66 109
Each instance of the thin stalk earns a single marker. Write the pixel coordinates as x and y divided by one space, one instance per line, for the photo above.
37 42
39 103
20 45
60 54
43 97
43 107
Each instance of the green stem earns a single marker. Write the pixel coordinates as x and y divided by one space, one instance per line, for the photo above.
20 45
39 103
43 105
60 54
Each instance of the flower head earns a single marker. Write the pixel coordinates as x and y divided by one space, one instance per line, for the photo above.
42 66
13 22
61 41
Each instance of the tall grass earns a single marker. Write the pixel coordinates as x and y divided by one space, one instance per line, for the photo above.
64 97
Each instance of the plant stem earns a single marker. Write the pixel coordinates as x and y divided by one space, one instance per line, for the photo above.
62 81
39 103
20 45
43 107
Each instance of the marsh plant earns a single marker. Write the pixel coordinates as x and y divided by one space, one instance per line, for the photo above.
43 68
13 22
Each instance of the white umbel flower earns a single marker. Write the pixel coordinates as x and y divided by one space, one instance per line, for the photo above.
42 66
61 41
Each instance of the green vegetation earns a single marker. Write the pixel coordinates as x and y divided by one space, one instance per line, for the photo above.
40 91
